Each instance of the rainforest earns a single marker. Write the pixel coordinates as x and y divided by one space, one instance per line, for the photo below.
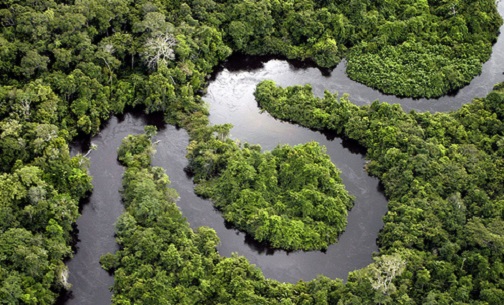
67 67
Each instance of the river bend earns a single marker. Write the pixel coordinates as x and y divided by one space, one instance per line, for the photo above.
230 99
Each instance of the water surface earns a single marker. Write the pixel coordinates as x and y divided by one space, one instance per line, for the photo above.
230 99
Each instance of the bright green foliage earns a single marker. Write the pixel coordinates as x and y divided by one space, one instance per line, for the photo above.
415 69
38 206
415 48
40 186
291 197
94 58
209 151
443 176
136 150
163 261
423 48
298 104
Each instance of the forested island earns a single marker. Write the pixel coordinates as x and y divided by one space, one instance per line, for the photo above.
67 66
292 197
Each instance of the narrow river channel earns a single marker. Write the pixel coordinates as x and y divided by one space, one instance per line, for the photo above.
230 99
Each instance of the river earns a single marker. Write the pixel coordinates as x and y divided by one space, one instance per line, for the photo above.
230 100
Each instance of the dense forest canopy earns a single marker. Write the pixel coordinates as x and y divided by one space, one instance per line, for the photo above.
442 240
66 66
163 261
443 175
102 55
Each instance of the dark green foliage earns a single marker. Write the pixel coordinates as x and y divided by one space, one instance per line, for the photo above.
64 69
96 58
291 197
443 176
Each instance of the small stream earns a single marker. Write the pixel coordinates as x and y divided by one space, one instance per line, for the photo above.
230 99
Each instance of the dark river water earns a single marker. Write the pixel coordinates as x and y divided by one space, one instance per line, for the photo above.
230 100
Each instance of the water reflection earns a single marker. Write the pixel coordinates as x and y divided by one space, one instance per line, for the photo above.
298 73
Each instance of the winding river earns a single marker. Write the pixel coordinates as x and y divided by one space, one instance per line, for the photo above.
230 99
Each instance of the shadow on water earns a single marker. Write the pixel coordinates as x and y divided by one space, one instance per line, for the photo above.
138 113
258 247
353 146
240 62
254 245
